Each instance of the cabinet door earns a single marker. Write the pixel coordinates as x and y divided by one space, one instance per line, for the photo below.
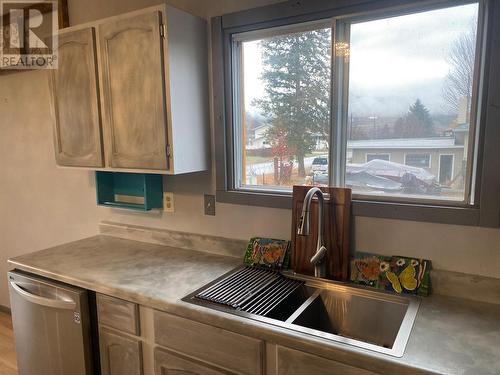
120 354
134 111
77 128
167 363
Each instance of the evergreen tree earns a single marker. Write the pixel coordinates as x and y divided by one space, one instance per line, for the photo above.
296 75
416 123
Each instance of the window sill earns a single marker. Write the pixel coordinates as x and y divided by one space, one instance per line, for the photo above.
260 199
417 212
388 210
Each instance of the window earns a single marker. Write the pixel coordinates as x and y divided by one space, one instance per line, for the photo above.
370 157
410 80
410 86
282 107
386 101
418 160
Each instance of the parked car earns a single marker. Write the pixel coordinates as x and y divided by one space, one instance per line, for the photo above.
320 164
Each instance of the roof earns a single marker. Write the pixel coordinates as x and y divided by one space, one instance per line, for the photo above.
405 143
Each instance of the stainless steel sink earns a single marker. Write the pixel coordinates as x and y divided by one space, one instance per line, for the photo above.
365 318
335 311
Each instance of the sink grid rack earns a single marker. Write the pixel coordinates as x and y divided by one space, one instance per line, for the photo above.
250 289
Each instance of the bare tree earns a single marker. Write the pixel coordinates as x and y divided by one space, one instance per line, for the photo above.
458 84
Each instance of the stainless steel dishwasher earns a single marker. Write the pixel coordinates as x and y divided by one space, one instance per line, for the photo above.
51 326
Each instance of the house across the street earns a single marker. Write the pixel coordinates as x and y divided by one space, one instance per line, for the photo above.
441 156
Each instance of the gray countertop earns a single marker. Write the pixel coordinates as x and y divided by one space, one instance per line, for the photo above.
450 335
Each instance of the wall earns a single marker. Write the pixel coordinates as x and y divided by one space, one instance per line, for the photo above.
42 205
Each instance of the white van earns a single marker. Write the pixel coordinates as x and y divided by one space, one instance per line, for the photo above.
320 164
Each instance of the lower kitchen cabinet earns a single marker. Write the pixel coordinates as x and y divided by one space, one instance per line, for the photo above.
137 340
286 361
168 363
120 354
237 353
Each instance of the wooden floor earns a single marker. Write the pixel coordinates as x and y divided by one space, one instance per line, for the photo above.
7 350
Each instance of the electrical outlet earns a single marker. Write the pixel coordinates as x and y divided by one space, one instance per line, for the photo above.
209 204
168 201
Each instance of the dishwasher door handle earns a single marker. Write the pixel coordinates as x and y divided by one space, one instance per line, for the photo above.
49 302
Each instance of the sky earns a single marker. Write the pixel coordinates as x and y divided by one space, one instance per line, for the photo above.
393 61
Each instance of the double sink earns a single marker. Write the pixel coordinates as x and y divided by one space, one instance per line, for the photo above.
334 311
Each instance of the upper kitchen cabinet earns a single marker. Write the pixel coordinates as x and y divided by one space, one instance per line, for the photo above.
134 105
153 91
77 127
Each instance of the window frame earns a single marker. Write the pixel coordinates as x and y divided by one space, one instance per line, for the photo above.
485 207
429 164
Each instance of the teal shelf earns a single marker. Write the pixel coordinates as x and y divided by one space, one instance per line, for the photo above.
133 191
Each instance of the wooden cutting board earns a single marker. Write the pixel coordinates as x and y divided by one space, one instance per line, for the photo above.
336 236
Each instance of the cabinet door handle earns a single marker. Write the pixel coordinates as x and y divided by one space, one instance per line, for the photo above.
49 302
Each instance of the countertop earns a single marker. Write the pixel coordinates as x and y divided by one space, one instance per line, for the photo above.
450 335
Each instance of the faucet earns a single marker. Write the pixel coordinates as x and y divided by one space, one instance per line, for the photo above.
318 259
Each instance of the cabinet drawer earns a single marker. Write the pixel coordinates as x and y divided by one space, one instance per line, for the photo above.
119 314
167 363
294 362
229 350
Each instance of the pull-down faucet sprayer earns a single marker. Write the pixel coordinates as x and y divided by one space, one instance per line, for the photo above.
318 259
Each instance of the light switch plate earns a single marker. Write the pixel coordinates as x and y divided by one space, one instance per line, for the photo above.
209 204
168 201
